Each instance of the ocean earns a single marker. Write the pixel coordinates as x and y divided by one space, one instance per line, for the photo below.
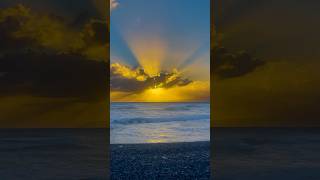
265 153
135 123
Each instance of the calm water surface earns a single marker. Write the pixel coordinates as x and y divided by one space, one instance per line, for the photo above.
159 122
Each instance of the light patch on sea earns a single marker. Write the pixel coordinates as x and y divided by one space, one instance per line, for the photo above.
134 123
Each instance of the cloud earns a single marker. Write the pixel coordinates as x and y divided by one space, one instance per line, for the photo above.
229 65
53 66
193 92
23 29
126 79
47 75
45 55
113 4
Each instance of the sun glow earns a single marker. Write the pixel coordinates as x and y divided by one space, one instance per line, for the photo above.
156 92
150 53
195 91
166 62
153 51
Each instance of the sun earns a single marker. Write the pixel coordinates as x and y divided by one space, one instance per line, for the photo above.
156 92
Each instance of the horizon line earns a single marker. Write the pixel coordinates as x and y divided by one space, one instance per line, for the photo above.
159 102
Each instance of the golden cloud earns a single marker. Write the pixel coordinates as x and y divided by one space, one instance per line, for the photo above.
124 78
133 84
50 33
196 91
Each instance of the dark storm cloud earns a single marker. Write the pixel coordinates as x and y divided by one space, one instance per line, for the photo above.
69 9
44 55
229 65
23 29
63 75
123 78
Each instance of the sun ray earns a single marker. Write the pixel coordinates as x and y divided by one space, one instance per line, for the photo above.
150 52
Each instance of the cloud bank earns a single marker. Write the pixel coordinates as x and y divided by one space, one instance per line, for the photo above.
229 65
48 55
126 79
22 28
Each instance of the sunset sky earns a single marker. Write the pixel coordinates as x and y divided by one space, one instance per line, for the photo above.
266 63
53 64
160 50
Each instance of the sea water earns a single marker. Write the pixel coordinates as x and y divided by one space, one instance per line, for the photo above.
159 122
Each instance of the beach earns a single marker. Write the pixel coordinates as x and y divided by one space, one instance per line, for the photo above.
160 161
160 141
